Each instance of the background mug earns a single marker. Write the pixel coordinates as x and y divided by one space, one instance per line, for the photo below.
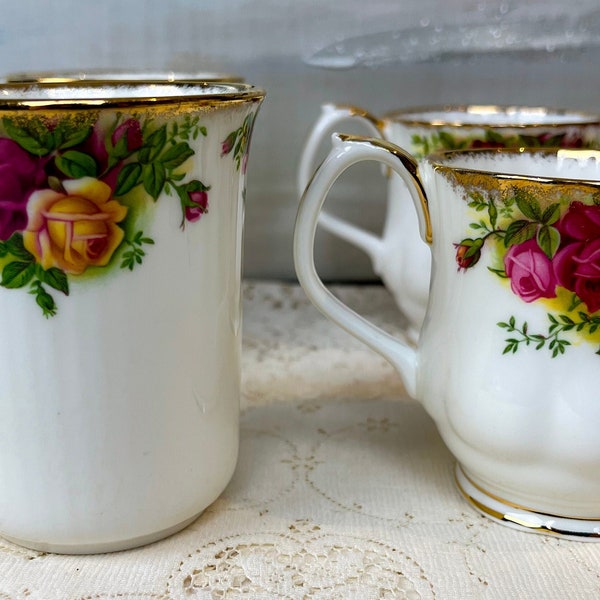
121 210
507 360
99 75
398 256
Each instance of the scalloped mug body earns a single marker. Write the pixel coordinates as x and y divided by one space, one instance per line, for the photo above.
521 420
405 263
507 358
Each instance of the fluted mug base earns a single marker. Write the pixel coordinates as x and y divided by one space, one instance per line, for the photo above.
526 519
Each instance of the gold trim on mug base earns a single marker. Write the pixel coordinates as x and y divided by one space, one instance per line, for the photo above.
525 519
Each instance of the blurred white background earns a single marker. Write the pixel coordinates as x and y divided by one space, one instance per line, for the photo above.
380 55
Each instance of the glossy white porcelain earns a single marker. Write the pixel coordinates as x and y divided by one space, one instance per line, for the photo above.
398 255
119 394
507 359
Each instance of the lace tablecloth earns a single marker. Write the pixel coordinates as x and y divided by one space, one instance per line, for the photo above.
343 490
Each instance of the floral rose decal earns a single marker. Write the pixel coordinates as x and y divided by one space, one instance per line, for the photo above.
238 143
548 248
66 194
20 175
76 229
530 271
441 140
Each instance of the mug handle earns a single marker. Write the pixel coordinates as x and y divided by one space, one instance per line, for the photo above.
331 115
348 150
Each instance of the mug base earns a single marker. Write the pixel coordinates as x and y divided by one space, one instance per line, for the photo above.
525 519
101 547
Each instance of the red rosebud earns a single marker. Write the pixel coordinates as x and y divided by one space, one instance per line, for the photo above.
200 200
468 252
227 144
132 132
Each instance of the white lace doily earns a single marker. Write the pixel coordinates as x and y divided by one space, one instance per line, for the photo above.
344 490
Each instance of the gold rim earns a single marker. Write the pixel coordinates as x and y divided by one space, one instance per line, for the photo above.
356 111
440 161
411 166
15 96
521 520
411 116
518 506
119 76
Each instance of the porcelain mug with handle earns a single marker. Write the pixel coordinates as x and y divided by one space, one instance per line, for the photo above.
507 362
121 215
398 255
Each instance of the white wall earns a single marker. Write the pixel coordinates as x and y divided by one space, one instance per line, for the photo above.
544 52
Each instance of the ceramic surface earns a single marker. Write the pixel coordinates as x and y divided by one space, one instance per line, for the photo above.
507 358
121 214
118 75
399 257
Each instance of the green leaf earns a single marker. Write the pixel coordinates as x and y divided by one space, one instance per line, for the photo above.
551 214
519 231
67 136
477 198
55 278
530 141
154 145
120 149
43 299
17 274
14 246
548 239
493 214
38 141
128 178
529 206
196 186
494 136
54 183
153 177
176 155
500 272
554 141
139 239
447 140
77 164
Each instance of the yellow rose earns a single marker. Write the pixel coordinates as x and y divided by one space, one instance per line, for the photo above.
74 230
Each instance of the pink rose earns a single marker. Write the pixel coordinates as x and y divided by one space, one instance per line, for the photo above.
581 222
530 271
577 268
577 263
20 175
